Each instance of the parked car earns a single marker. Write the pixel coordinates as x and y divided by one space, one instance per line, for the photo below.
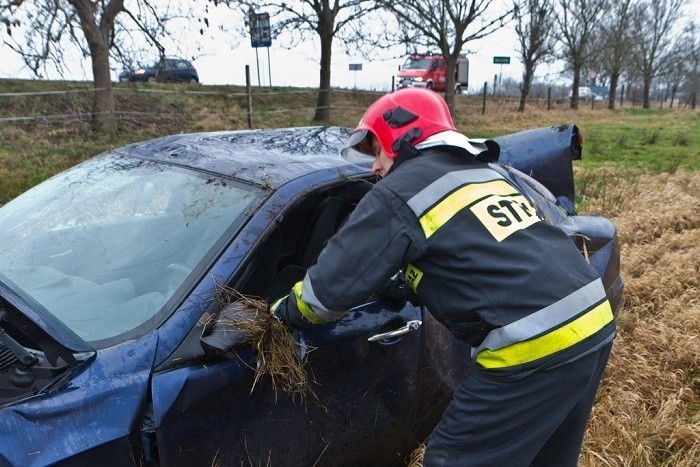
586 94
110 271
145 74
176 70
167 70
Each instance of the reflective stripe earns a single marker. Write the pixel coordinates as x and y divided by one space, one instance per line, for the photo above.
545 319
313 304
303 308
428 196
436 217
572 333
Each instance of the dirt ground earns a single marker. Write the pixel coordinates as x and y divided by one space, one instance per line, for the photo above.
647 412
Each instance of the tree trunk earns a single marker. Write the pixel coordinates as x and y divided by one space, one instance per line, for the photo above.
575 86
450 70
525 90
647 92
104 118
323 103
614 77
98 39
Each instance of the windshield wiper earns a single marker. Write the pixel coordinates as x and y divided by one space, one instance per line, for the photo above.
13 346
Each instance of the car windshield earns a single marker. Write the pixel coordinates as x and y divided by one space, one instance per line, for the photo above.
417 64
105 245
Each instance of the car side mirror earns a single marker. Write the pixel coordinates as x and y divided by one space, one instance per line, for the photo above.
221 335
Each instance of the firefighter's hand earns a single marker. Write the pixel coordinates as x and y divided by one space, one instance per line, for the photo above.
396 289
288 315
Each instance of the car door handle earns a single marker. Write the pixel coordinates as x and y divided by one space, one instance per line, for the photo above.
406 328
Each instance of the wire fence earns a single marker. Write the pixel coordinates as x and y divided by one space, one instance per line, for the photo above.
139 104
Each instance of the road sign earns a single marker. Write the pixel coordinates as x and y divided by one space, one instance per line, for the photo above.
356 67
501 60
260 35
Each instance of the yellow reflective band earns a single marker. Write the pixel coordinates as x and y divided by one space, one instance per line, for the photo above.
302 306
413 275
437 216
528 351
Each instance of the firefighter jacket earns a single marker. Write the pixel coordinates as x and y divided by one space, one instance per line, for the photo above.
474 250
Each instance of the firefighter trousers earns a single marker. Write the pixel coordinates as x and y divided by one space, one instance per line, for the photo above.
537 418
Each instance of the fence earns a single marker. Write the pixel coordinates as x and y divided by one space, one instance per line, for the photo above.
180 107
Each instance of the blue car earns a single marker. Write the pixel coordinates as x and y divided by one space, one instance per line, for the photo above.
111 270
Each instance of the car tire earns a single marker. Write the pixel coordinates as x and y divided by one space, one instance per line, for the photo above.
194 81
151 79
458 88
429 85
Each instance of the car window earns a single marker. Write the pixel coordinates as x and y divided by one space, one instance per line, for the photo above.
417 64
295 243
104 246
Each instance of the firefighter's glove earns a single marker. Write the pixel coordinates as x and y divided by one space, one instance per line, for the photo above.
396 289
288 315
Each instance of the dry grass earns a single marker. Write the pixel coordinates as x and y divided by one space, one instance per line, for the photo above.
648 408
279 357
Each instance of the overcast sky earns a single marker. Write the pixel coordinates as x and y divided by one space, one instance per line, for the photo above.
223 64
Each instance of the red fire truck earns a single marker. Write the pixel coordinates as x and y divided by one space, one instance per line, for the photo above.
428 71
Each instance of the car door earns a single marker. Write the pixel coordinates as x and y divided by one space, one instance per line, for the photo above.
362 412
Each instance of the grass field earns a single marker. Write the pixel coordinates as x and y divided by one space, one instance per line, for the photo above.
641 168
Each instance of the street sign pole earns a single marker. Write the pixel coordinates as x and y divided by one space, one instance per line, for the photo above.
499 60
269 67
260 36
355 67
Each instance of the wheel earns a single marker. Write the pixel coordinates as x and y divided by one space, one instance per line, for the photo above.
458 88
151 79
194 81
429 85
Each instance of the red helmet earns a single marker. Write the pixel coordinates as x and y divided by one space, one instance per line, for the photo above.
410 113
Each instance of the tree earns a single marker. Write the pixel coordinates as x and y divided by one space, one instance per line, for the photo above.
690 43
576 24
653 25
447 25
327 19
97 28
614 44
534 23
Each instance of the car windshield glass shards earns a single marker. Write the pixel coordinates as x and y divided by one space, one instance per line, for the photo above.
106 244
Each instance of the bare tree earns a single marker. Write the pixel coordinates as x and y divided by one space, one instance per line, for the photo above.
690 44
534 24
447 25
576 24
97 28
614 43
327 19
653 26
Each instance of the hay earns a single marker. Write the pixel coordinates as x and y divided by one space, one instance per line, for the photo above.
280 358
648 407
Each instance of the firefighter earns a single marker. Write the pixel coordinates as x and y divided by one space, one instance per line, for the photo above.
475 253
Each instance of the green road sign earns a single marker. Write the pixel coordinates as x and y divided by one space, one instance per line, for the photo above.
501 60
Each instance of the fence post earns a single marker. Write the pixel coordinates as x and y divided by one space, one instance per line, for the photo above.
393 83
249 95
549 98
483 104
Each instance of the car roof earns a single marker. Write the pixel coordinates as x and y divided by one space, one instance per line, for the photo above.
270 157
